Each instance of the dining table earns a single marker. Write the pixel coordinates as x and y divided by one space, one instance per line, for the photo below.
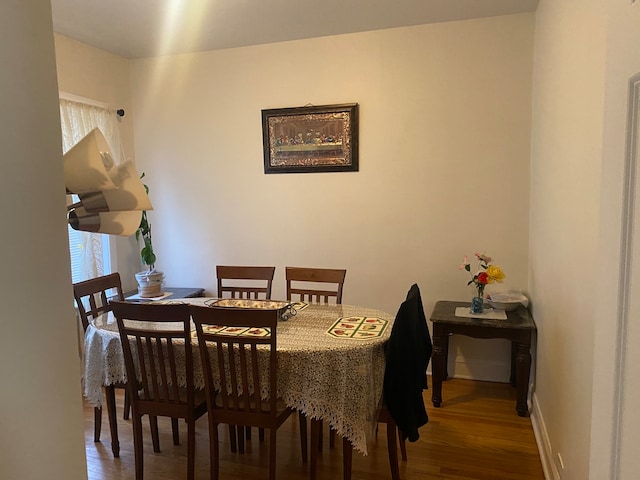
331 363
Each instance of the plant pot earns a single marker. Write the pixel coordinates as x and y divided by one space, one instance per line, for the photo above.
150 283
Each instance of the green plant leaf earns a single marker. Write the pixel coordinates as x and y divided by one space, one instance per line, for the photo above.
147 254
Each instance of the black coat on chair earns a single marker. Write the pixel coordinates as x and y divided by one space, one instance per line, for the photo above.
408 353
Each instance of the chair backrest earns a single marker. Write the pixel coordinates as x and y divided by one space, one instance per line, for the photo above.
249 277
408 353
240 363
307 292
96 287
153 337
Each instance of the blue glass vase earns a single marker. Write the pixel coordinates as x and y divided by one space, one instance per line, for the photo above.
477 305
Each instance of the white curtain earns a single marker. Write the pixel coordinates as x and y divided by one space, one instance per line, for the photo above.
78 119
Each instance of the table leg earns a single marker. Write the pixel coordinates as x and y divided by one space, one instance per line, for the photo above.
438 366
445 375
110 394
523 367
512 376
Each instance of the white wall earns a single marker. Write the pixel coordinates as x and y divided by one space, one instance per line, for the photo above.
565 189
444 162
585 53
620 457
41 423
98 75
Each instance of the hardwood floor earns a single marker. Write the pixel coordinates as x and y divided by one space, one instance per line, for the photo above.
476 434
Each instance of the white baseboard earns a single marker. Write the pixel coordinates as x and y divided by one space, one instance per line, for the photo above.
547 458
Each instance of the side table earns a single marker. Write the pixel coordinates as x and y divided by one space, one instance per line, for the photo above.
518 327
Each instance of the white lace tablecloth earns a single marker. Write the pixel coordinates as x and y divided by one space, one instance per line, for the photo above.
336 379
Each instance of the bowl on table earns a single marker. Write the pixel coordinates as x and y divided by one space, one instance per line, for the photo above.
507 301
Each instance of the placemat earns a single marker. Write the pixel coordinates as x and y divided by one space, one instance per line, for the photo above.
489 314
359 328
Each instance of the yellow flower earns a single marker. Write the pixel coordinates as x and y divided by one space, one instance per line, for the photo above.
495 274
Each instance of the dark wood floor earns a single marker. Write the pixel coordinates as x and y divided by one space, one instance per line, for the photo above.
476 434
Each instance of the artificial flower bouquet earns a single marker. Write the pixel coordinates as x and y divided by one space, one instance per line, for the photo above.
485 274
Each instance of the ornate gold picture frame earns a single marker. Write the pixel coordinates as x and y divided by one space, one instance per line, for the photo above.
311 139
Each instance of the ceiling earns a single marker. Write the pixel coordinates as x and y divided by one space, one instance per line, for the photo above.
147 28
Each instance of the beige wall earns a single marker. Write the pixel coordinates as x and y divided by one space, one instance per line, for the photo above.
41 423
98 75
619 390
583 60
565 190
444 162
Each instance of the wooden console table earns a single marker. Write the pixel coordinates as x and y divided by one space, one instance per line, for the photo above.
518 327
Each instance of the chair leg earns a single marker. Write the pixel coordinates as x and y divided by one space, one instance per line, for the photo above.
155 437
347 458
110 394
97 423
240 430
261 434
137 446
191 449
247 433
272 453
303 436
403 446
332 437
127 405
214 452
393 450
176 431
232 438
315 437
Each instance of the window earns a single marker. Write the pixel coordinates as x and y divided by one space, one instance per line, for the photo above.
77 249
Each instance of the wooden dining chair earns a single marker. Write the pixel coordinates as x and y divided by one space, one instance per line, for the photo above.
314 285
347 449
154 337
240 364
244 281
239 281
407 353
92 300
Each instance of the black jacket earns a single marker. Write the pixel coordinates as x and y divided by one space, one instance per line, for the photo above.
407 356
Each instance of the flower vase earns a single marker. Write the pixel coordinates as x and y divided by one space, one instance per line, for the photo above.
477 305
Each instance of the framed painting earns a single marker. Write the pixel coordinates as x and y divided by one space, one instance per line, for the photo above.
311 139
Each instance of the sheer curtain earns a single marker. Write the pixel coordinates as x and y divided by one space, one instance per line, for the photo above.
87 250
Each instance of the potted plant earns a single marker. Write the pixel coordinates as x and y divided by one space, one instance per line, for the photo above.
149 281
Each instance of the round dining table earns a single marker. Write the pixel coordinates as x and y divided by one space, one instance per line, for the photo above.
331 364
